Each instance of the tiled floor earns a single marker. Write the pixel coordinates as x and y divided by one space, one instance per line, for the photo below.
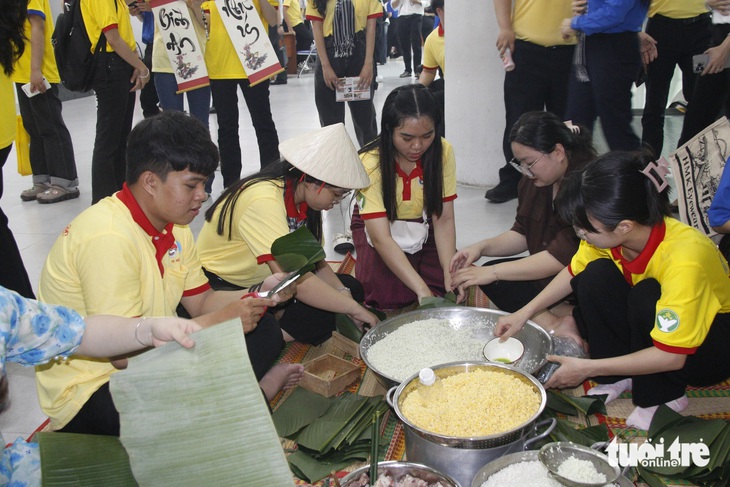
36 226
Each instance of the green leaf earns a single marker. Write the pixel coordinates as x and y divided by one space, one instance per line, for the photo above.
430 302
300 409
74 460
348 328
690 432
651 479
312 470
296 250
323 430
664 418
567 431
586 404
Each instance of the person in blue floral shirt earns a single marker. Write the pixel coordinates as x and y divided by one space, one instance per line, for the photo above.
32 333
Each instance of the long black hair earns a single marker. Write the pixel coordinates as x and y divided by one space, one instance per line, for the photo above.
612 189
321 6
542 131
410 101
12 33
281 171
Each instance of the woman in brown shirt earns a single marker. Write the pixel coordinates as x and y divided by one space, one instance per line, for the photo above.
545 149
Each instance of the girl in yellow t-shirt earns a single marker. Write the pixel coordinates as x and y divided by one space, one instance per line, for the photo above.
412 172
317 170
12 44
653 296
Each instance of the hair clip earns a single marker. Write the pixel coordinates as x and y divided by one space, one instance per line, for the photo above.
657 172
573 128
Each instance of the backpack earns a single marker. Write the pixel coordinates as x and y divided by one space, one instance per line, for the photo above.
72 48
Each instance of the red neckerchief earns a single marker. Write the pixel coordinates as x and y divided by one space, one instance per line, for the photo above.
291 207
407 178
441 30
638 265
162 241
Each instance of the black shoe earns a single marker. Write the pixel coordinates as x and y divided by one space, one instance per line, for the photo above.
278 81
501 193
405 74
419 68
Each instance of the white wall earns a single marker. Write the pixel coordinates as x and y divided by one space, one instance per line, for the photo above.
474 101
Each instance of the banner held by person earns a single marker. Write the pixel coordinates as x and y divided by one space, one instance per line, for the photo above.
250 38
178 33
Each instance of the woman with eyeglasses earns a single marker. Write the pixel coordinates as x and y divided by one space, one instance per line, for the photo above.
545 149
316 171
653 296
413 176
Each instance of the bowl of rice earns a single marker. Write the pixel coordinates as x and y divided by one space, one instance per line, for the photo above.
403 345
523 469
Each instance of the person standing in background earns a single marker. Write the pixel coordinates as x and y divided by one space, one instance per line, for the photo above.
226 76
148 98
530 29
410 15
681 29
12 45
119 73
51 149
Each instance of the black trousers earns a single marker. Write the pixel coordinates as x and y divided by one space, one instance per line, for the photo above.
679 40
512 295
148 99
51 149
98 416
616 320
332 111
409 34
710 99
538 82
225 100
13 275
304 39
613 62
114 112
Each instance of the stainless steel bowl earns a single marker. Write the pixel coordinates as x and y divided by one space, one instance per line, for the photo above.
553 455
538 343
397 470
524 456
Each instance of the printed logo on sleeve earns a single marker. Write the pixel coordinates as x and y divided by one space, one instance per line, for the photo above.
667 321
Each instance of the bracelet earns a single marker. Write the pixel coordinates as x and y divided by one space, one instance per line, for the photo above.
136 330
343 288
146 76
494 271
256 287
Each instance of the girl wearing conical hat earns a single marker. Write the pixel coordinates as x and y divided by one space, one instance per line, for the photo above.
316 171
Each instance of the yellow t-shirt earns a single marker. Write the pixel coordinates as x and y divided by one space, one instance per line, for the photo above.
293 11
7 111
220 56
677 10
42 9
259 218
434 52
538 21
693 276
160 59
364 10
101 16
409 194
104 262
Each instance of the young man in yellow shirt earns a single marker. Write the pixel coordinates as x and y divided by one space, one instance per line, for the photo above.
133 254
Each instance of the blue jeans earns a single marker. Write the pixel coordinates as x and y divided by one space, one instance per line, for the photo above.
198 103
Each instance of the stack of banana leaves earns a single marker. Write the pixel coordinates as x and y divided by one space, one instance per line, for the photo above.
331 433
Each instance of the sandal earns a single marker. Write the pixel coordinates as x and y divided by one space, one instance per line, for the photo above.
343 243
32 193
54 194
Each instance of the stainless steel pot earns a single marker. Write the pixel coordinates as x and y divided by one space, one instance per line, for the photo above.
538 343
398 470
460 457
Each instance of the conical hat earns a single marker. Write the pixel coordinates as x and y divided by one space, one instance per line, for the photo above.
328 155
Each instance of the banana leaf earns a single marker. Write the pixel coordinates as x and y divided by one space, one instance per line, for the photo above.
318 435
651 479
690 432
431 302
566 431
197 416
362 415
664 418
74 460
307 468
586 404
297 250
299 410
348 328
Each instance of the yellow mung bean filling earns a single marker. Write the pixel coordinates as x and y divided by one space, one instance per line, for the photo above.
469 404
